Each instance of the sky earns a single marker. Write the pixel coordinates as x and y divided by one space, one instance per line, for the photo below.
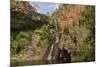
44 7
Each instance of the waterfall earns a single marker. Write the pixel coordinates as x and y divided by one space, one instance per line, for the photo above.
56 40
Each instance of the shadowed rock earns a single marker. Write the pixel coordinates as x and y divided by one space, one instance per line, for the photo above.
23 16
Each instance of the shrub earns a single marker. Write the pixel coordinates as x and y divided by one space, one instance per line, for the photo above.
20 41
86 41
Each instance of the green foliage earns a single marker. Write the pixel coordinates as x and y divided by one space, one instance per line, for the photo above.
88 18
39 44
20 41
45 34
17 46
86 40
66 31
84 31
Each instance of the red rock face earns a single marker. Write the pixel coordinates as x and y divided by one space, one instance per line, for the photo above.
68 15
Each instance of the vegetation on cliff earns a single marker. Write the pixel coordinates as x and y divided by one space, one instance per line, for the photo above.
33 34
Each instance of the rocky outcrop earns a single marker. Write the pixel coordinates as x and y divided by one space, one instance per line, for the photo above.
48 44
23 15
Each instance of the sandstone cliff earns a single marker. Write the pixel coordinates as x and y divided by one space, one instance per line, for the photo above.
23 15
